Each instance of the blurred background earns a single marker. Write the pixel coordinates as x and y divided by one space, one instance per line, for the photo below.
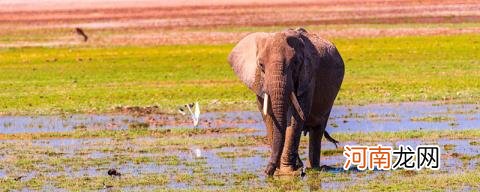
149 22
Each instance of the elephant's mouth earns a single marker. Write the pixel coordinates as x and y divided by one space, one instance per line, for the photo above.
293 101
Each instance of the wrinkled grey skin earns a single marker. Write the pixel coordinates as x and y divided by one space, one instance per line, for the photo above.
291 63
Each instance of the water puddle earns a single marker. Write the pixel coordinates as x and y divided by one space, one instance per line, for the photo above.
404 116
231 161
368 118
33 124
220 168
226 162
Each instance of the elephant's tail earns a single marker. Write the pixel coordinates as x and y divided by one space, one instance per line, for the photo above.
326 134
329 138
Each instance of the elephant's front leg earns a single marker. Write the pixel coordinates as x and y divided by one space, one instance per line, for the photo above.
290 160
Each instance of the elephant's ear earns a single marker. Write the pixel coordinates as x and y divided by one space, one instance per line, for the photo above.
302 46
244 61
305 77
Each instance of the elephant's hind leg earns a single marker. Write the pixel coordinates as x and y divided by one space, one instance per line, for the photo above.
315 146
316 133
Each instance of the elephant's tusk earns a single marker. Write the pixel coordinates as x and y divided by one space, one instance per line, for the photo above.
265 103
296 105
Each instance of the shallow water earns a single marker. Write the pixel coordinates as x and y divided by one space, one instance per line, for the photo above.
254 160
400 117
367 118
251 159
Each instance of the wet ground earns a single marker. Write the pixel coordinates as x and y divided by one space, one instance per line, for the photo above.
368 118
213 161
202 168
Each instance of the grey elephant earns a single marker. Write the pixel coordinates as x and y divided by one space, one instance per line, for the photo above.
296 76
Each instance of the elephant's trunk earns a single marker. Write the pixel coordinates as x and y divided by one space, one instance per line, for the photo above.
278 91
277 88
279 103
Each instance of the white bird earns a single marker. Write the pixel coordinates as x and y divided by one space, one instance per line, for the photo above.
195 113
198 153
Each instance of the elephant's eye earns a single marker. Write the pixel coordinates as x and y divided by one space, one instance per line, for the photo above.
262 67
290 64
295 62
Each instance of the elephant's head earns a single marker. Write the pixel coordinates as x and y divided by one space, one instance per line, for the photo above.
275 67
282 60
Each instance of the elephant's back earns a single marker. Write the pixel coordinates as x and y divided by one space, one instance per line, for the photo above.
327 61
329 71
325 52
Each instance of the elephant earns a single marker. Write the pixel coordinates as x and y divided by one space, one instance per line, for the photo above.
296 76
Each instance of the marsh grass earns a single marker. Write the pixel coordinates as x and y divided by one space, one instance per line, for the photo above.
474 143
238 153
424 135
186 137
50 165
332 152
125 134
423 180
98 79
432 118
449 147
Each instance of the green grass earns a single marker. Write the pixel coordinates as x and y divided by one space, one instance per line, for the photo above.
183 137
97 79
125 134
423 181
423 135
54 165
432 118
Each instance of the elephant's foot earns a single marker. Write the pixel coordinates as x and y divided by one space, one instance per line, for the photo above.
291 170
313 166
271 167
